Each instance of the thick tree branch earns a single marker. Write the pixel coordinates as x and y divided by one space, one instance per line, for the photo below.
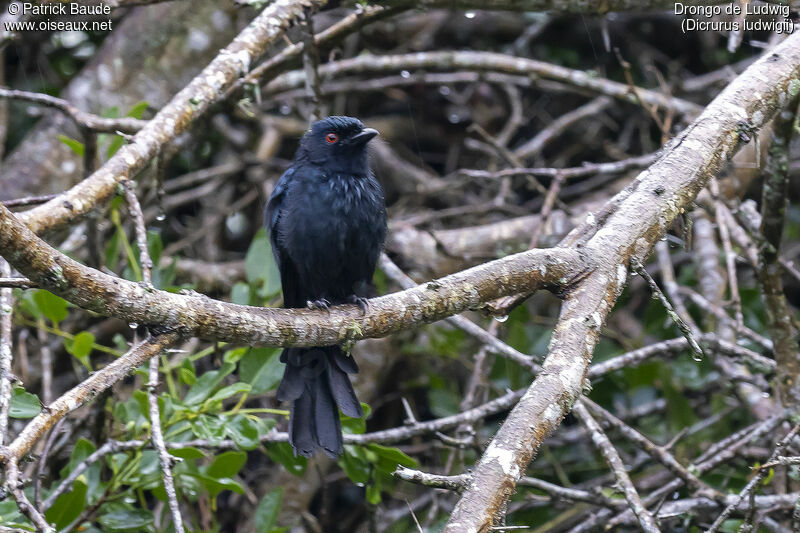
653 200
198 315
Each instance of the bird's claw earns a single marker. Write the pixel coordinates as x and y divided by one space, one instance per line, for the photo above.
360 301
322 303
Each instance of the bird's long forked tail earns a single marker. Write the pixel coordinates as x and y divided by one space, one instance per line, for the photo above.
316 381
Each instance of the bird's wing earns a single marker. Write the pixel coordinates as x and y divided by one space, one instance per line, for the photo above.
272 219
273 210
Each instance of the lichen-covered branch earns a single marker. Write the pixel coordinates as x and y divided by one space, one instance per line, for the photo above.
654 199
780 317
200 316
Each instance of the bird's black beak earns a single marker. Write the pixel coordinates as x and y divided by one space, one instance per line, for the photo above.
363 137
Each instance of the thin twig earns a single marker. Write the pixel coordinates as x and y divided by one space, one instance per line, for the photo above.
342 28
141 232
717 454
13 485
547 210
708 307
587 169
310 66
682 326
546 135
164 457
28 200
482 61
659 453
600 440
671 286
730 255
40 475
455 483
755 481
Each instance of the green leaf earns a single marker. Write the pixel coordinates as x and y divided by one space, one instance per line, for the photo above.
217 485
768 478
260 265
27 305
230 390
75 146
261 368
186 372
234 355
281 452
209 427
81 347
240 294
227 464
123 517
154 246
141 398
24 404
444 402
374 493
243 431
69 505
116 143
112 250
355 464
356 425
187 453
164 276
82 449
206 384
10 514
389 458
137 110
186 376
267 511
51 306
264 425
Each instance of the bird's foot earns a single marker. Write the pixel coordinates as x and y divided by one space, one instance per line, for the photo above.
322 303
360 301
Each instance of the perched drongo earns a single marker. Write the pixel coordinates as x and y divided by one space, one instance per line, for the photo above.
327 223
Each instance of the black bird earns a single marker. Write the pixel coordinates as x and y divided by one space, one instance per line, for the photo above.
327 223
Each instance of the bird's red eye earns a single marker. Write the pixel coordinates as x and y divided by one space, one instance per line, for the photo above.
331 138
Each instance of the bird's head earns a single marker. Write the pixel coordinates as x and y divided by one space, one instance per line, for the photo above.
338 144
